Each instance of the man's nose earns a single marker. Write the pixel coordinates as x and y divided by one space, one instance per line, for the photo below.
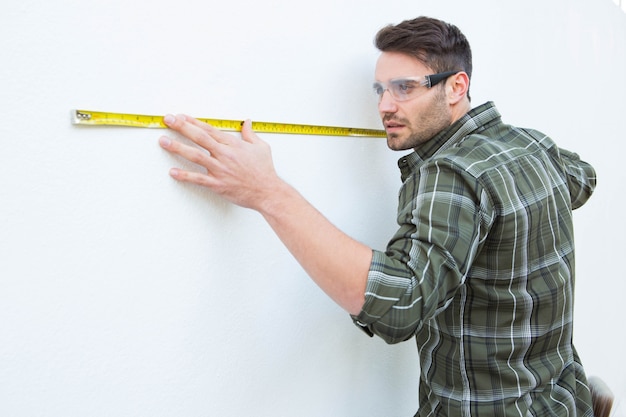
386 103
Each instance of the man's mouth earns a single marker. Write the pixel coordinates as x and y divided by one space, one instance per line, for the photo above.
392 125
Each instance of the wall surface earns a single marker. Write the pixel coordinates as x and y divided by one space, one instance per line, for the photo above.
124 293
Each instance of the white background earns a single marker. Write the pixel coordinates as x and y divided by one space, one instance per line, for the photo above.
124 293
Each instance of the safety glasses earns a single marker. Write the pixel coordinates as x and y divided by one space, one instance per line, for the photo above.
403 89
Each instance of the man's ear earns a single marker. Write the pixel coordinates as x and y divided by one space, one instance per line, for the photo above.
458 87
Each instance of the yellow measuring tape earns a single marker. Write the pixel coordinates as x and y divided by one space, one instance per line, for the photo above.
87 117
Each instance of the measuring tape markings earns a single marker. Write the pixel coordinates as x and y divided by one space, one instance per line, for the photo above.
88 117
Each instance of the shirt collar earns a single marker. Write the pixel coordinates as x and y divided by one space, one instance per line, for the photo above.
473 121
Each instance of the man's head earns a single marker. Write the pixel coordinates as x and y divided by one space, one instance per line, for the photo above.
437 44
414 106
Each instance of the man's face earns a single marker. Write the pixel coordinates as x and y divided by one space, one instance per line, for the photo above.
412 122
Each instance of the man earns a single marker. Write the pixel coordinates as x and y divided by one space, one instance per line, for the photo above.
481 269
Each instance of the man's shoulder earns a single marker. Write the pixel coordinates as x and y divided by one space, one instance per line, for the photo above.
481 151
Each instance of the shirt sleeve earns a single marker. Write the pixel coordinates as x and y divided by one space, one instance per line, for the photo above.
580 175
443 215
581 178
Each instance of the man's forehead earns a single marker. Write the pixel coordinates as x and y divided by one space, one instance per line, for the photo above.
394 65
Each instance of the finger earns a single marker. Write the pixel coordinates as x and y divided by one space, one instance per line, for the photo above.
197 178
191 153
248 134
199 132
195 155
215 133
246 131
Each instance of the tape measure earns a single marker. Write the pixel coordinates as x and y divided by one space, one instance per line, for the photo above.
87 117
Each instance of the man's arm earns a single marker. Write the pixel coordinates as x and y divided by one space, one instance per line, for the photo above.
242 171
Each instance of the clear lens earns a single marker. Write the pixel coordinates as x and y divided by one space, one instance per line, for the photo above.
403 89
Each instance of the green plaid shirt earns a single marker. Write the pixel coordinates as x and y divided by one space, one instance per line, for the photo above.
481 271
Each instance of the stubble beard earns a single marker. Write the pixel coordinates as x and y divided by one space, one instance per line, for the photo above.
423 127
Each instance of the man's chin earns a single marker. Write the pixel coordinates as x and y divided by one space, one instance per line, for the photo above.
395 143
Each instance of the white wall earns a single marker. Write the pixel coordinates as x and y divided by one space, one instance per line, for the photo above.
124 293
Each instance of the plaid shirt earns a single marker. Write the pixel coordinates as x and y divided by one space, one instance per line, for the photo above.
481 271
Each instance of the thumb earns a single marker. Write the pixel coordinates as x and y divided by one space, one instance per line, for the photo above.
247 133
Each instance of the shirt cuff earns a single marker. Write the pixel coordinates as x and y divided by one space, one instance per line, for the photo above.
364 318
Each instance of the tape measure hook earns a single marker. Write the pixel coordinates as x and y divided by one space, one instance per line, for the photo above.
80 116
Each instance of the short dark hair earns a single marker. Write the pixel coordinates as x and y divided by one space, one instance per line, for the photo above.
439 45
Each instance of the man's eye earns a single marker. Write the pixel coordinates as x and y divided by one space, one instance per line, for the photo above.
378 89
405 87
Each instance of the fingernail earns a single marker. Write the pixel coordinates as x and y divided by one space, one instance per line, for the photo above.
174 172
165 141
169 119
